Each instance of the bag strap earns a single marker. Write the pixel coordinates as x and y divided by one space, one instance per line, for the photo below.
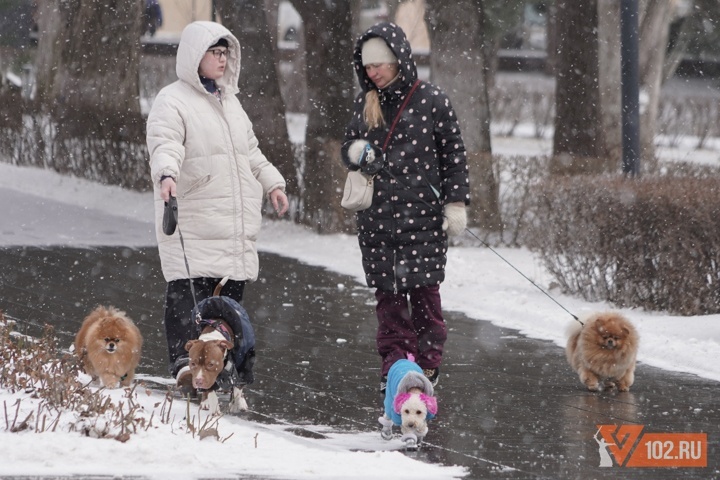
387 140
397 117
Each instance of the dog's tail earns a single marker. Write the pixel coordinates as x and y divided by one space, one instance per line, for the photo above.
219 286
573 330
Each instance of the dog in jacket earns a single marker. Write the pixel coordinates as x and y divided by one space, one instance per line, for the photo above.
223 355
409 402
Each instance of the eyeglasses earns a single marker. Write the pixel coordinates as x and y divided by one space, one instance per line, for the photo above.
217 53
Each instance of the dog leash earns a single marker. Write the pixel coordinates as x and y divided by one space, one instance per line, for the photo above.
437 207
524 276
198 318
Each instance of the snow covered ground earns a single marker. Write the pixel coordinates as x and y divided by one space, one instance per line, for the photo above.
46 210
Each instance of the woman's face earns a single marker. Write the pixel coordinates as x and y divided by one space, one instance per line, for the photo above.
213 63
381 74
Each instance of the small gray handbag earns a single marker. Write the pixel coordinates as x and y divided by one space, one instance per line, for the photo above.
358 191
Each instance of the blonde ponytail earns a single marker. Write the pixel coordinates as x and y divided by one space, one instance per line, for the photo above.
372 112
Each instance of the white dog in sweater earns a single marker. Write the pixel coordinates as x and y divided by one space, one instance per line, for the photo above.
409 403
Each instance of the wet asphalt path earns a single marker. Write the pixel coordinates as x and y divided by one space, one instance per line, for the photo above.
510 407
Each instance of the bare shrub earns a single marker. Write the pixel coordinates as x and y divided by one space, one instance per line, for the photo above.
518 176
690 116
703 120
671 116
103 146
652 243
506 106
542 112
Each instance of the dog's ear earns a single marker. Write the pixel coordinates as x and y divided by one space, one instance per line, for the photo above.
399 400
600 325
189 344
430 402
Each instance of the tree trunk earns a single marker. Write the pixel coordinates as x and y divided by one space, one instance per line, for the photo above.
329 49
655 19
458 66
89 89
578 144
609 79
89 55
259 83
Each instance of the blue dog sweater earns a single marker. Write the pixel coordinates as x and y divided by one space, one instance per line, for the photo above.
397 373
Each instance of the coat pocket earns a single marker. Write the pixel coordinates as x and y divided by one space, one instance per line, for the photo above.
194 187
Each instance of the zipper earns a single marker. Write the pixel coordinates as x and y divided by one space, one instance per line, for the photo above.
236 206
391 190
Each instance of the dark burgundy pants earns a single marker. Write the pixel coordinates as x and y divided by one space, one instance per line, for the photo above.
179 326
417 327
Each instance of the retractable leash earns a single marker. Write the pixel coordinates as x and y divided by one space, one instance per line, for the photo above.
170 224
198 318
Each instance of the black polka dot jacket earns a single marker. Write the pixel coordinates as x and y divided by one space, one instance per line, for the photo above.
401 238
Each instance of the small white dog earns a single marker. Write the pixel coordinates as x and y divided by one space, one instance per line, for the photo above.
409 403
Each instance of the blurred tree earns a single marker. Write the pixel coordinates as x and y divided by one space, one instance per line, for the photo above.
330 80
259 82
655 18
696 34
609 81
16 23
578 144
459 67
655 63
503 25
89 55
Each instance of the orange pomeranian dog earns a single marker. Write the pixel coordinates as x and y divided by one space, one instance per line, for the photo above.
603 351
108 346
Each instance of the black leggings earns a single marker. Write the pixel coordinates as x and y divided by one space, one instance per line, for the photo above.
179 326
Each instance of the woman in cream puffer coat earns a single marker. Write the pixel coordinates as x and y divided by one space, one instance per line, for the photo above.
204 152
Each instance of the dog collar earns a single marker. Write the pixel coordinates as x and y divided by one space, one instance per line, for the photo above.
217 325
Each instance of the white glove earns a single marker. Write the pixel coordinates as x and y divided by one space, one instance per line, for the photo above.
355 152
455 218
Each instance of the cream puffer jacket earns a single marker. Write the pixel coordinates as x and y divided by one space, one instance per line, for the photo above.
209 148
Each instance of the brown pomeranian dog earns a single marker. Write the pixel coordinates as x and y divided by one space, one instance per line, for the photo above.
108 346
603 351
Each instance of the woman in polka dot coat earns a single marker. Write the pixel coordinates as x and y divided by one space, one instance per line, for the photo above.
421 190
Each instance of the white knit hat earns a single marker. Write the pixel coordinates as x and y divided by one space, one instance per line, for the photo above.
375 50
